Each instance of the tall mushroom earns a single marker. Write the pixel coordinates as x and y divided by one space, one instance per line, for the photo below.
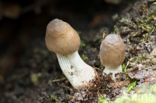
63 40
112 54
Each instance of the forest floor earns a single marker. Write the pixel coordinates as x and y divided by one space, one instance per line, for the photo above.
30 73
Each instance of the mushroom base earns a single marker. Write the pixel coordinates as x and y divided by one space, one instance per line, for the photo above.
114 71
76 70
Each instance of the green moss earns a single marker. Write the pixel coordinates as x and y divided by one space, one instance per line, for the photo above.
142 26
145 94
128 22
154 3
143 98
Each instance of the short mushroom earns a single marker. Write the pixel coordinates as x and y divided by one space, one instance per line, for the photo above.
112 54
63 40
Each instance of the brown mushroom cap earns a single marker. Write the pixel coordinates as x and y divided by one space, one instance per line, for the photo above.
61 37
112 51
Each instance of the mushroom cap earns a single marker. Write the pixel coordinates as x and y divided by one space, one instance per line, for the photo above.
61 37
112 51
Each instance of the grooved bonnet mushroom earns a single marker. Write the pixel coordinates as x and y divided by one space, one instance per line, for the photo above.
63 40
112 54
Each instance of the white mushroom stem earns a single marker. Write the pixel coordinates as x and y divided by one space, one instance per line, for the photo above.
114 71
76 70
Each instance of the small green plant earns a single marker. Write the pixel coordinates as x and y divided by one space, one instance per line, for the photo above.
131 86
35 77
82 44
124 68
145 37
84 57
55 99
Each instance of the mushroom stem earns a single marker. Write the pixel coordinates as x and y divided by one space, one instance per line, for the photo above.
76 70
114 71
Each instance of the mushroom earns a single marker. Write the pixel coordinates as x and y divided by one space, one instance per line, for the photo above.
112 54
63 40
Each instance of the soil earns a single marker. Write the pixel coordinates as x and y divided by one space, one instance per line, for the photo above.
31 74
